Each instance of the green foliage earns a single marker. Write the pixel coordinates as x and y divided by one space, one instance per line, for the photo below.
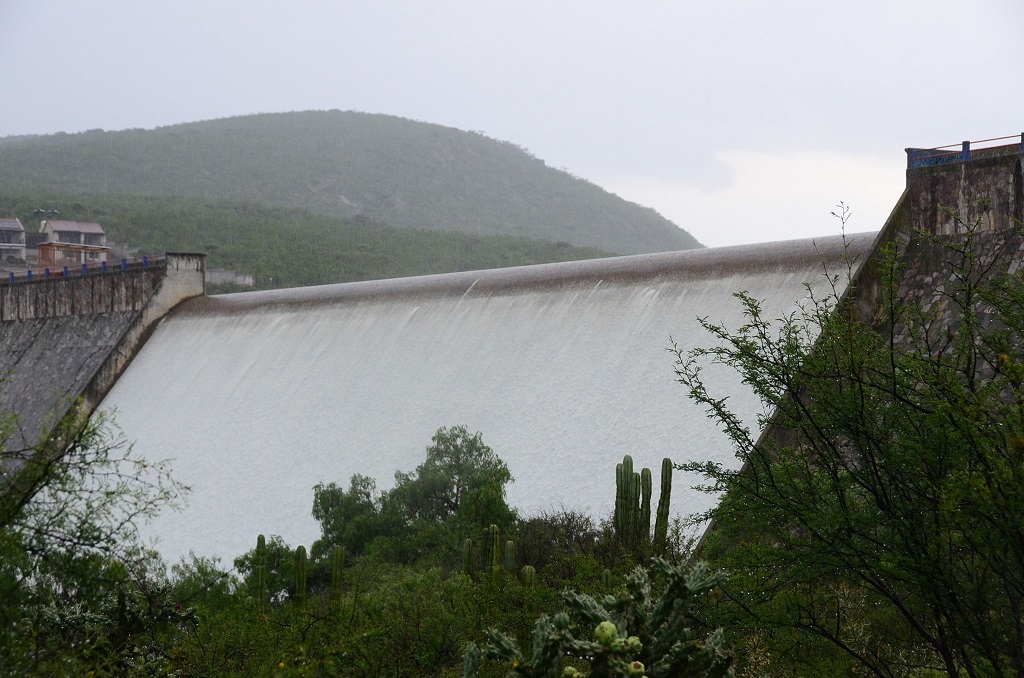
349 518
78 592
342 165
200 581
462 481
645 630
278 570
286 247
456 492
882 523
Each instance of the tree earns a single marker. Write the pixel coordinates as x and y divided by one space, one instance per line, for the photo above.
462 482
349 518
459 488
885 511
77 587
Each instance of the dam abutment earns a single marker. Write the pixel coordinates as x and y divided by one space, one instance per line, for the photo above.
68 337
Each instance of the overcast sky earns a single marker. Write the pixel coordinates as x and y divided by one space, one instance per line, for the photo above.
741 121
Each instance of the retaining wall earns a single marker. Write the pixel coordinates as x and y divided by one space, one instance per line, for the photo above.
63 339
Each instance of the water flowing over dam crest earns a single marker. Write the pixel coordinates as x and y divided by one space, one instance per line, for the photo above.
564 368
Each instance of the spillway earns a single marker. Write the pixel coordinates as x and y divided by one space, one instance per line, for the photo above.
564 368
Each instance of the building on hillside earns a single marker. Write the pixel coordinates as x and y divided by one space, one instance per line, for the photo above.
12 241
72 242
32 243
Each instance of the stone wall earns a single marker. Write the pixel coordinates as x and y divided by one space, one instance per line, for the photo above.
986 190
65 339
115 291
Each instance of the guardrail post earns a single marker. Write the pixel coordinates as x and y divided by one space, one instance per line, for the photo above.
124 264
85 269
145 262
65 271
965 154
28 275
46 272
12 276
103 267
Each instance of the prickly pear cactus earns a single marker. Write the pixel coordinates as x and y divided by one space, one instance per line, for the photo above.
644 631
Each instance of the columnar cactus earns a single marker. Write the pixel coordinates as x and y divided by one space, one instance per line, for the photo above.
620 500
494 537
607 580
337 571
627 493
529 576
644 533
510 556
467 557
300 577
261 574
661 524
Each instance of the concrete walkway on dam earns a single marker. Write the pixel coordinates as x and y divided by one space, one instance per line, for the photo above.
564 368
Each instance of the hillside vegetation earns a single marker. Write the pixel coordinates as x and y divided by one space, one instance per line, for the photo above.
287 247
385 169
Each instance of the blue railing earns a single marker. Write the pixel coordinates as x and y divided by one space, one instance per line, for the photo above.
47 274
943 155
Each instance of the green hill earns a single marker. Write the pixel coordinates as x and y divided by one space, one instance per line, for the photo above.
284 247
347 165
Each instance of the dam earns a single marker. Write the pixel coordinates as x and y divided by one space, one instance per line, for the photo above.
563 368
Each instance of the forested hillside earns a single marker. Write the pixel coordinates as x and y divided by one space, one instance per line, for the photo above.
347 165
286 247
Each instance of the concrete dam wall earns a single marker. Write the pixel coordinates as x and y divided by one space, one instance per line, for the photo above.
65 338
564 368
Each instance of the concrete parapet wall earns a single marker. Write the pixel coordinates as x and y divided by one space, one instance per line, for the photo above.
987 191
62 339
184 279
92 294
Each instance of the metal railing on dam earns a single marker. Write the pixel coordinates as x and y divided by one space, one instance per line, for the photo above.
84 270
964 151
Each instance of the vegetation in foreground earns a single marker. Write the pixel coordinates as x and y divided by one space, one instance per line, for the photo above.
401 582
878 534
881 530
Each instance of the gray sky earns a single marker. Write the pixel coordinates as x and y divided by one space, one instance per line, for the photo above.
742 121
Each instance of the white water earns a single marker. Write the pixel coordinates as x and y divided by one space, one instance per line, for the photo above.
563 368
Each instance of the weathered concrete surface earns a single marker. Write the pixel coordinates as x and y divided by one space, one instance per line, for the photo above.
66 338
987 190
563 368
47 362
